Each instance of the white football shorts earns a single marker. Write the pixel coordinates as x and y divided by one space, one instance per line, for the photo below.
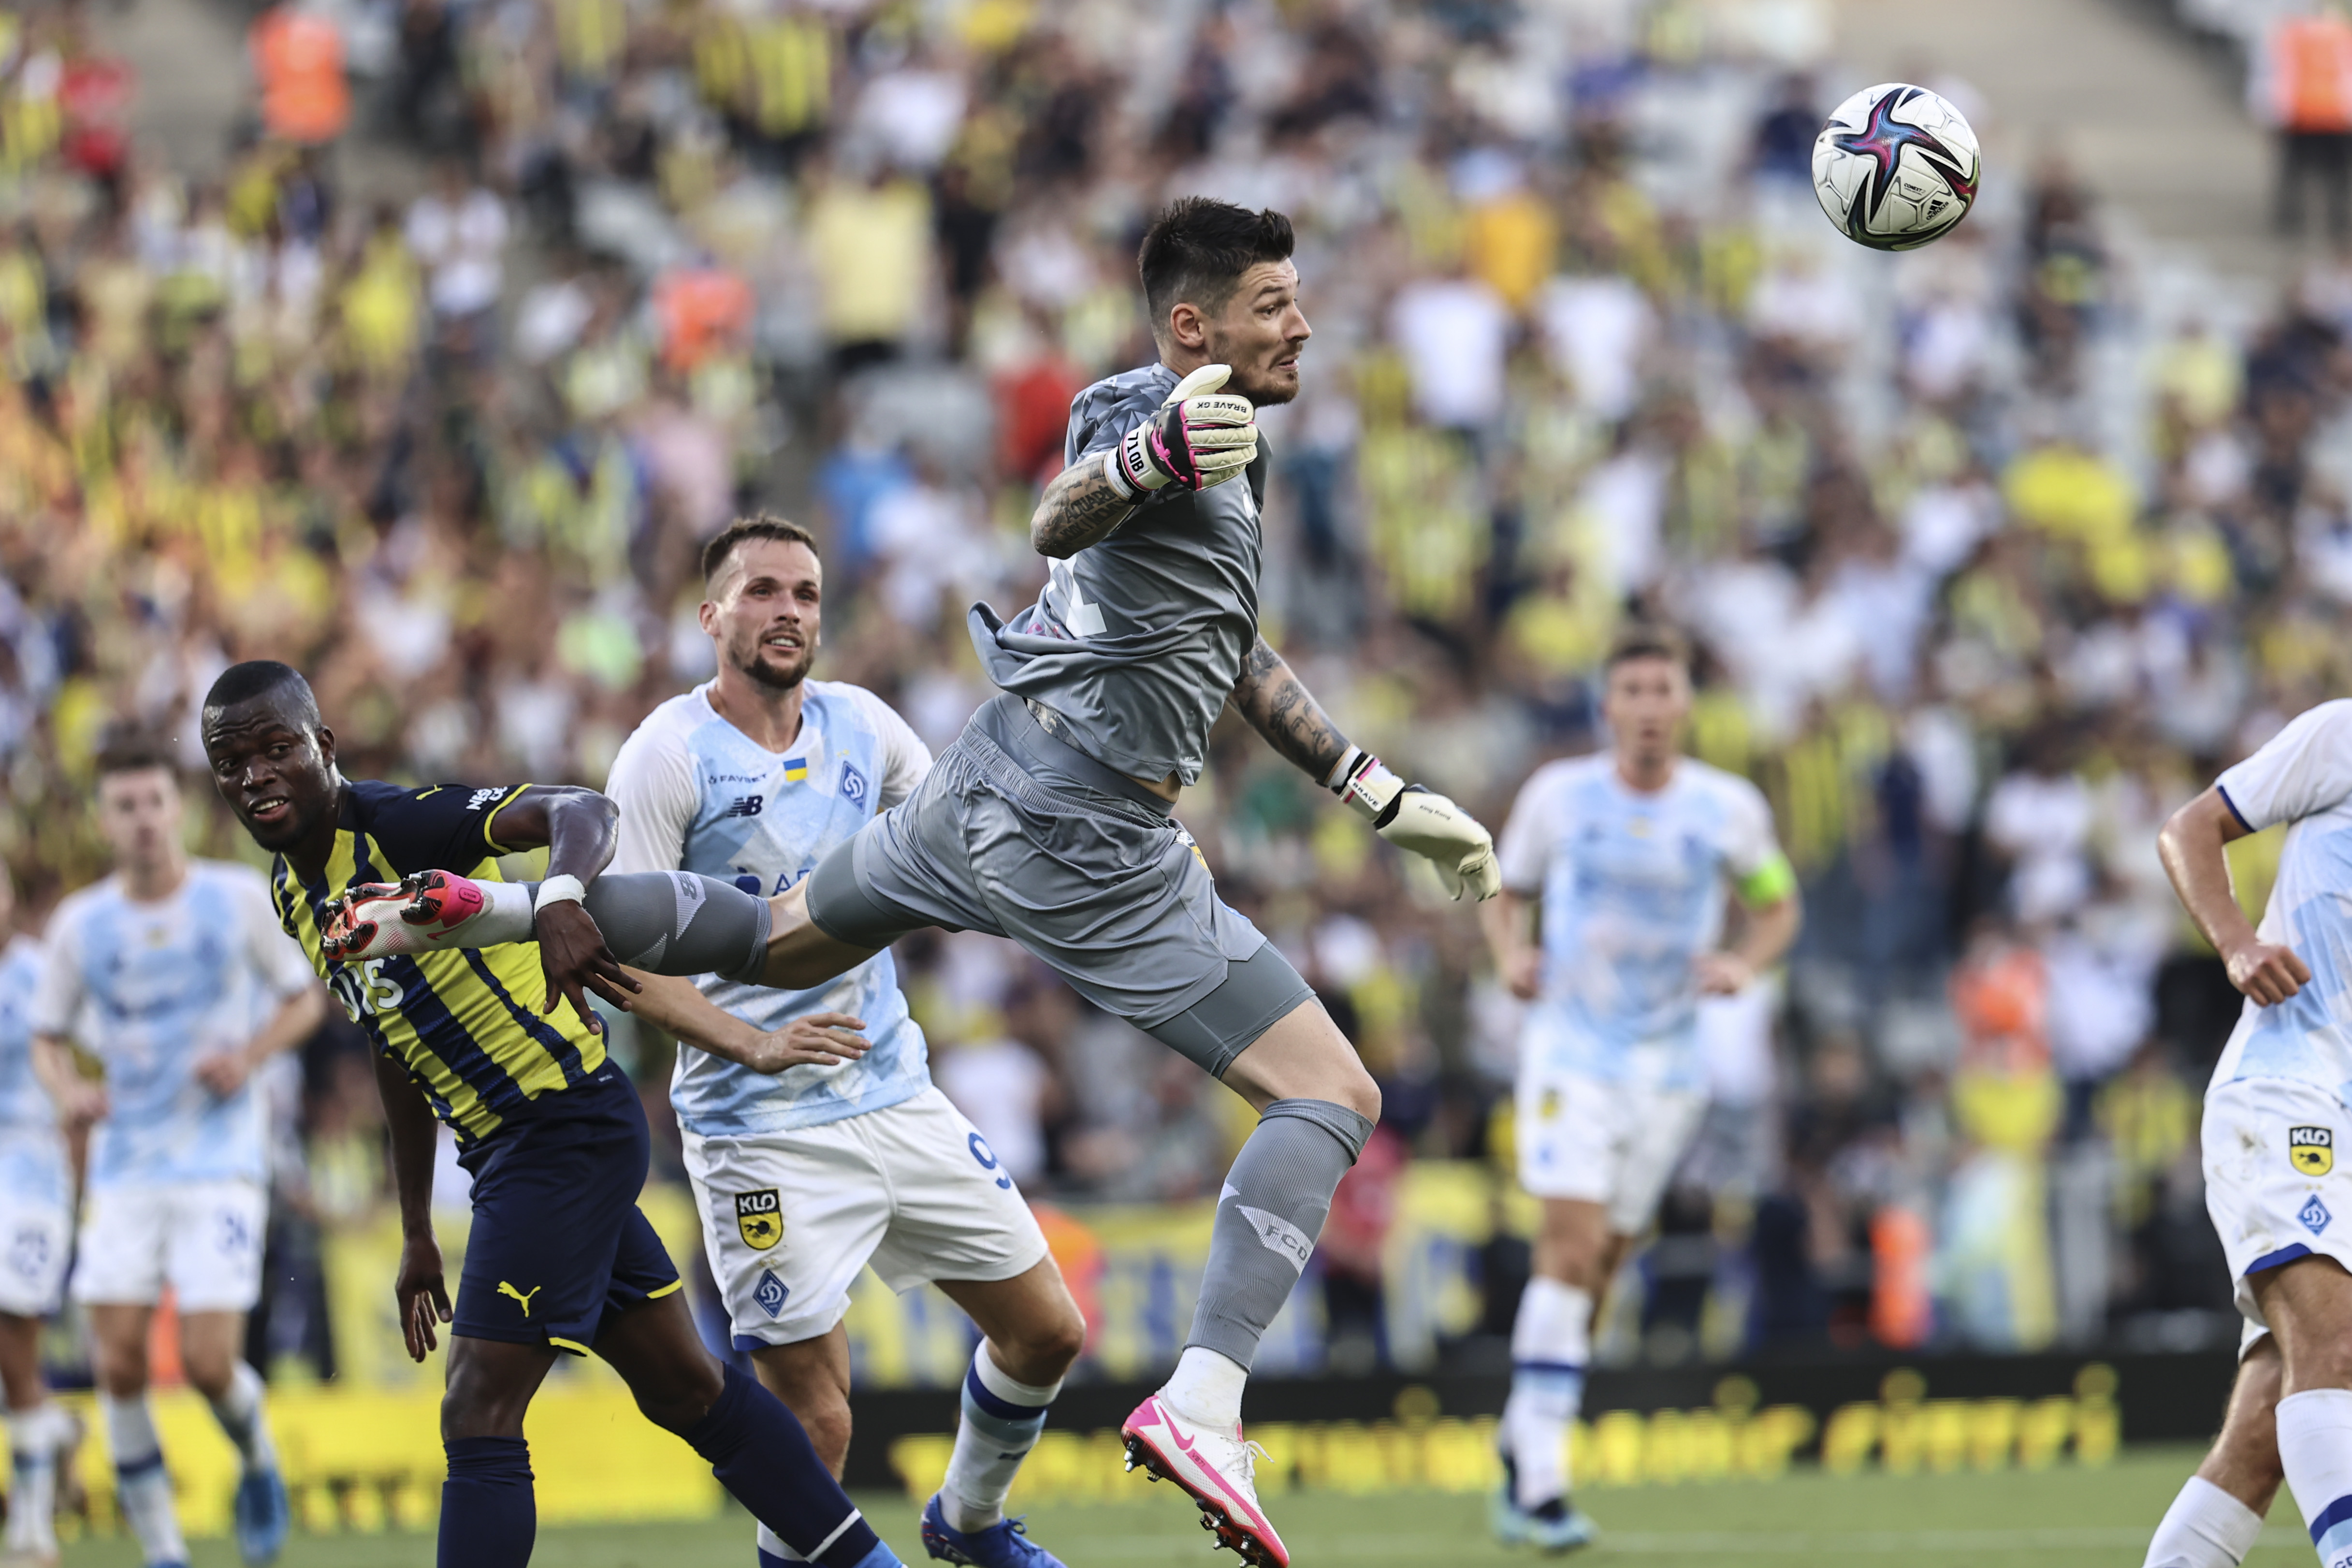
1608 1143
789 1218
203 1239
2276 1182
36 1221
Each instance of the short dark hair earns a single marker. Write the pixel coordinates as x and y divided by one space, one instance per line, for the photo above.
1648 639
125 747
261 678
763 525
1197 249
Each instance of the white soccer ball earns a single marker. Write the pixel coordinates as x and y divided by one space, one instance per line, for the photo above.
1896 166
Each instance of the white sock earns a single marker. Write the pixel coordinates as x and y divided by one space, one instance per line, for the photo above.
143 1489
243 1415
2204 1528
507 915
2315 1436
1551 1341
1003 1418
774 1549
36 1436
1206 1388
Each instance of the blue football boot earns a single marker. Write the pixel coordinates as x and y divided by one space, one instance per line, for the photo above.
1559 1526
1556 1527
1005 1544
262 1516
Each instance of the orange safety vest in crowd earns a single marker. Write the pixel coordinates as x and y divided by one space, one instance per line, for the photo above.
699 311
304 97
2311 67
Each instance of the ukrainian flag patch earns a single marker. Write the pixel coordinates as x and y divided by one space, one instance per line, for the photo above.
795 769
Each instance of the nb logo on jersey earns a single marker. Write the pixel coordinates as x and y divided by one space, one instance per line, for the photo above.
744 805
760 1217
522 1297
2311 1149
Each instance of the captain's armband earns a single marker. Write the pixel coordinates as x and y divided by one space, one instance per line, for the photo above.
1769 883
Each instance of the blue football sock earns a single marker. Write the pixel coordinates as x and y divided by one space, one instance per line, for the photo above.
759 1453
489 1517
1003 1419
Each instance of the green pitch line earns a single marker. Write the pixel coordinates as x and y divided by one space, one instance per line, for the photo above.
2062 1517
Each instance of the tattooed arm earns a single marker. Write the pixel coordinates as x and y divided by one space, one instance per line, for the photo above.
1282 710
1409 816
1080 507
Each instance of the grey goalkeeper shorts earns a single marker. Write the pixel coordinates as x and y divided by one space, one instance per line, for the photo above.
1019 834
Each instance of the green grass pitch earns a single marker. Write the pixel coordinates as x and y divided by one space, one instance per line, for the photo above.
2069 1517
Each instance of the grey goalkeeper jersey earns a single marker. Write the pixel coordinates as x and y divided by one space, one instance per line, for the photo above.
1138 640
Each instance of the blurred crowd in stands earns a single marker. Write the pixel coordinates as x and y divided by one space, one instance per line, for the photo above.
1995 551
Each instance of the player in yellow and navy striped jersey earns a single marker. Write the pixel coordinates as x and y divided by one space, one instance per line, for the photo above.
462 1020
502 1046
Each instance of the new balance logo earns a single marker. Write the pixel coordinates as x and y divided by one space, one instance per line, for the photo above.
744 805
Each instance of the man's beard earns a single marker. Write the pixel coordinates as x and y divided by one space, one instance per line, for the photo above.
775 678
1263 393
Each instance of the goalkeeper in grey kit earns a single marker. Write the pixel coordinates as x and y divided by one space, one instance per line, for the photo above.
1050 819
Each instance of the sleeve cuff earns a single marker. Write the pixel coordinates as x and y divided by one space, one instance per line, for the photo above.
489 837
2233 809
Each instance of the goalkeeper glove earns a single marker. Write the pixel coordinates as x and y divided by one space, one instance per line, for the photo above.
1200 438
1421 823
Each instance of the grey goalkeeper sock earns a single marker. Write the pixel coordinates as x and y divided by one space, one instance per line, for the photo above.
676 923
1276 1199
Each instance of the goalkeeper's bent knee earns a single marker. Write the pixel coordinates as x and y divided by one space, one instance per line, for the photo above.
678 922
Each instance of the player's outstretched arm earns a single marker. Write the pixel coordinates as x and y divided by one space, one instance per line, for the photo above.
1079 506
1200 437
580 829
1279 707
420 1287
679 1008
2192 848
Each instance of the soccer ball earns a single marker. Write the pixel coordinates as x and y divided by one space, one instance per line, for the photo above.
1895 167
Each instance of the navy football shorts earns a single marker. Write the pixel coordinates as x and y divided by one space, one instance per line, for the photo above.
559 1247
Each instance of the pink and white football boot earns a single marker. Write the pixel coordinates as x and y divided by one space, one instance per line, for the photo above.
425 912
1216 1470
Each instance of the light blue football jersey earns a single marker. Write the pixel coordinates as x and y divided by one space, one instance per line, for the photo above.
2302 777
1631 888
697 794
32 1151
151 989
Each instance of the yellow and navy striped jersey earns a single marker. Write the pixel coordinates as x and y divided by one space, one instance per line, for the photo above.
465 1021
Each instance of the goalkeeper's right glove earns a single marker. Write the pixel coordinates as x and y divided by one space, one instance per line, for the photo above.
1427 824
1200 438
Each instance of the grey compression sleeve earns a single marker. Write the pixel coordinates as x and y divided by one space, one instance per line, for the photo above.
676 923
1274 1203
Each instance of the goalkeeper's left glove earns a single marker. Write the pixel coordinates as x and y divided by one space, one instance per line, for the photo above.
1423 823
